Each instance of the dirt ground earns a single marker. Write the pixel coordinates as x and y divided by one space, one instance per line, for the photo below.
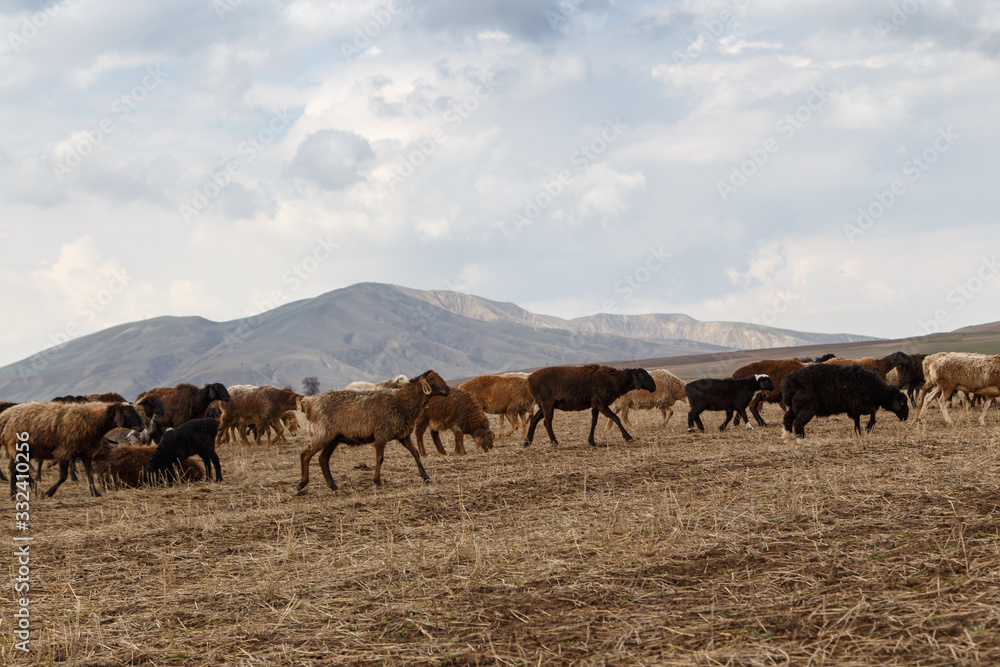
675 549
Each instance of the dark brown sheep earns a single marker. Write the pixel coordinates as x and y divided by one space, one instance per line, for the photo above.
63 431
343 416
186 401
776 369
909 377
124 466
261 407
574 388
459 413
107 397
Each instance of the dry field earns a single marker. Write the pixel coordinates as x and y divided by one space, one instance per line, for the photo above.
675 549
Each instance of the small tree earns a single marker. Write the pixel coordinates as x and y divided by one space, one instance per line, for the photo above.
310 385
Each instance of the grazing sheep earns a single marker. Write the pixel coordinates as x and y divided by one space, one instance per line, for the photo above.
507 395
729 394
125 466
394 383
669 390
193 437
360 417
64 431
186 401
776 369
909 377
879 367
830 389
262 408
574 388
947 372
459 413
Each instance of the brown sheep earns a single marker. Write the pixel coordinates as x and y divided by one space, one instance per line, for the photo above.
669 390
63 431
107 397
186 401
124 466
507 395
776 369
574 388
459 413
360 417
879 367
261 407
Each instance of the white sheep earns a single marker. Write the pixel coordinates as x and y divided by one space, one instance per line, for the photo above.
669 390
947 372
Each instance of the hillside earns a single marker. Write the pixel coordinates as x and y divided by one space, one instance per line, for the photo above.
367 331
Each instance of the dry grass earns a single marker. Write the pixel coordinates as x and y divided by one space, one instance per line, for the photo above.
731 548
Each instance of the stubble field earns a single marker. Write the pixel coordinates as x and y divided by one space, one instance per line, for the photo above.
716 548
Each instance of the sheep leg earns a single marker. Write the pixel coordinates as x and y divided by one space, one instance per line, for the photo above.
787 422
548 425
606 411
324 464
305 457
871 423
531 427
420 428
406 442
801 419
436 437
208 460
667 412
89 468
63 474
746 420
513 418
624 417
926 399
729 416
279 433
694 418
38 475
986 406
943 398
459 441
755 404
379 455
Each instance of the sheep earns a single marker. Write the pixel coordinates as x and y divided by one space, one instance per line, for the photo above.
879 367
360 417
730 394
195 436
909 377
970 372
669 390
107 397
817 360
149 407
776 369
261 407
237 389
125 466
394 383
507 395
458 412
64 431
830 389
69 399
123 436
186 401
574 388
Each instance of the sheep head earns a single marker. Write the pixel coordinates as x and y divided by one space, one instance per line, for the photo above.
125 416
897 403
432 384
764 382
217 392
484 439
643 380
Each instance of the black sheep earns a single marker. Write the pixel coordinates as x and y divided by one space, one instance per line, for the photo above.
193 437
730 394
823 390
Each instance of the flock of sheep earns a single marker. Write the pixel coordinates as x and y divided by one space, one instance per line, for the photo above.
154 438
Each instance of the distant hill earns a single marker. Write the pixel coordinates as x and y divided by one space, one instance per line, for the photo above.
368 331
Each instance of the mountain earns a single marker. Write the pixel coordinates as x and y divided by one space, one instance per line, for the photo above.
366 331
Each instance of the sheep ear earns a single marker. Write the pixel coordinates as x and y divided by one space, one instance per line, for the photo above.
426 386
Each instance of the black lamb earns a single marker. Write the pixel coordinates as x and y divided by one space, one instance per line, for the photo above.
823 390
196 436
730 394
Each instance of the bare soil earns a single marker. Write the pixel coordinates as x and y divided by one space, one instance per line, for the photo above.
732 548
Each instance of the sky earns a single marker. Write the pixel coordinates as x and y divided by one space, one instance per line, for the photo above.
819 166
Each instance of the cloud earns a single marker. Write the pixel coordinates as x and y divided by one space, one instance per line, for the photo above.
331 159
